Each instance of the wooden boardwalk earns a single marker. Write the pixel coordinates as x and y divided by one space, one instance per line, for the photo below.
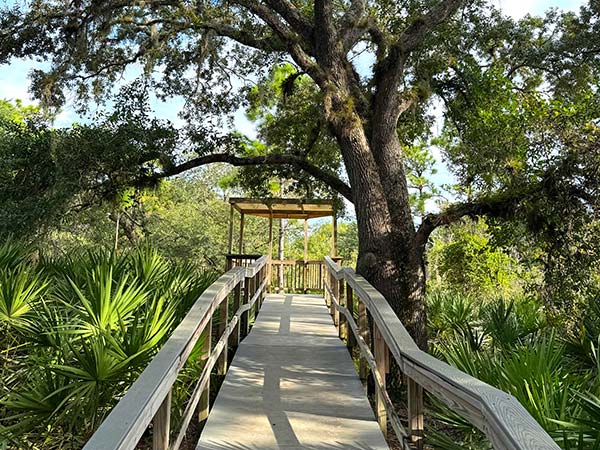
292 385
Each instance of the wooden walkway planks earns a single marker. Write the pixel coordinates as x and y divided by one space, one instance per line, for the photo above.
292 385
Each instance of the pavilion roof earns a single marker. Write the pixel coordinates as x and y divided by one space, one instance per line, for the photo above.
283 208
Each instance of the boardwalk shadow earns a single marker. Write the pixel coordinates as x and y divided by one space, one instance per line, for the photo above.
292 386
332 446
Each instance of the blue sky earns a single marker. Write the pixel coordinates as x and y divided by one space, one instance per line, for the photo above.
14 83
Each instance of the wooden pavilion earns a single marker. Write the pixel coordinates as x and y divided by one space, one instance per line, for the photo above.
296 274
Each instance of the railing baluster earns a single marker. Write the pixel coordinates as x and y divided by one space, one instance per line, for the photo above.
415 413
223 319
252 292
262 296
350 339
161 428
326 292
343 324
381 363
244 322
304 277
331 305
203 404
235 335
363 327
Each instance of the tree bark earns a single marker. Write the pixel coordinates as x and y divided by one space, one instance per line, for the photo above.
388 255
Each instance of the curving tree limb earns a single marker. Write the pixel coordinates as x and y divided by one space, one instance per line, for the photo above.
273 159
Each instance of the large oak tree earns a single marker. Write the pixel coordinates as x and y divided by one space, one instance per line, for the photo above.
489 72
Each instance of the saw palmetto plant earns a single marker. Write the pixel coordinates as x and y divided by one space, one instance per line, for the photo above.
76 333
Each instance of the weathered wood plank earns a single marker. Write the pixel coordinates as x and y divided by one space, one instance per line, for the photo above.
203 404
223 317
370 361
380 367
415 414
235 336
350 339
162 425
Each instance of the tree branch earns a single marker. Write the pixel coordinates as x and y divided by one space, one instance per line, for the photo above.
352 26
388 70
499 207
293 17
325 33
272 44
274 159
294 42
414 34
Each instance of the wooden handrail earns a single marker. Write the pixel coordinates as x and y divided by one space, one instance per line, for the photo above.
499 415
297 275
149 397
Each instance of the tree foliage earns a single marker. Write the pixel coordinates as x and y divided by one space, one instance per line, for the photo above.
519 100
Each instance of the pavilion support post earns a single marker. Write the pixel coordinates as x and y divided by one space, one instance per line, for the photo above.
305 265
241 246
280 255
230 247
270 258
334 236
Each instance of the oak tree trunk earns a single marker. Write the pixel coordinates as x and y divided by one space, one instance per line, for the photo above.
389 257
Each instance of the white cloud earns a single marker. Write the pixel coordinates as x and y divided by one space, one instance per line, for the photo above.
14 81
519 8
243 125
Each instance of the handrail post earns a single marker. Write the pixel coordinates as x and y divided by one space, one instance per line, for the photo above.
415 413
203 403
223 319
327 282
244 319
332 286
161 429
304 266
343 323
235 334
257 277
262 278
320 280
363 328
252 292
381 364
350 338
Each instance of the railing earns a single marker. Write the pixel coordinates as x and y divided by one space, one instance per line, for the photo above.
239 260
505 422
148 400
292 275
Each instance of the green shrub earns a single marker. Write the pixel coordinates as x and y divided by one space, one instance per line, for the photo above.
87 324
